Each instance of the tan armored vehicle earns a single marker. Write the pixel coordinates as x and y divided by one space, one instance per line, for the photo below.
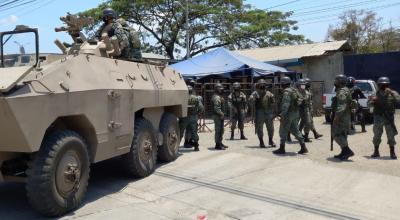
58 118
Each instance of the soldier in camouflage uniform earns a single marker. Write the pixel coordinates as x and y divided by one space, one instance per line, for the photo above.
308 88
237 103
342 114
189 123
305 109
218 107
135 46
289 117
113 29
264 103
356 110
384 104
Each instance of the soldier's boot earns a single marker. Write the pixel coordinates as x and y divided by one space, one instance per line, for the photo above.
224 146
340 155
363 128
262 145
306 139
392 153
303 149
218 146
376 152
187 144
316 135
281 149
196 146
347 153
271 142
242 137
232 134
289 138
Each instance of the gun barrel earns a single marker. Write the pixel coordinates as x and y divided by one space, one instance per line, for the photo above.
60 29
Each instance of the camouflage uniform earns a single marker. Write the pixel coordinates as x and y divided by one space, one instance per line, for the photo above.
134 51
384 109
264 103
218 107
308 88
238 106
116 29
341 108
305 113
290 117
189 123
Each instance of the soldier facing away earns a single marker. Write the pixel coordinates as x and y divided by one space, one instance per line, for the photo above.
384 104
237 103
304 109
189 123
114 30
342 113
290 117
135 45
308 88
356 94
264 103
218 107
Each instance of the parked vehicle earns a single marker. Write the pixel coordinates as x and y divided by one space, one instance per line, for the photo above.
368 87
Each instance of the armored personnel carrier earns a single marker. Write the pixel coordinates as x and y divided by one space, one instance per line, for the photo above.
57 119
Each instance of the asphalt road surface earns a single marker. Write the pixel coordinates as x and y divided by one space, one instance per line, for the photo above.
243 182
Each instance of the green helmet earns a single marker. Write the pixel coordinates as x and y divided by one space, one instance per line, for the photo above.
308 81
301 82
286 80
109 13
383 81
218 87
340 80
236 86
190 89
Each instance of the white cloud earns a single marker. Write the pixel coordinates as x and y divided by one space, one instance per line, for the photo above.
9 20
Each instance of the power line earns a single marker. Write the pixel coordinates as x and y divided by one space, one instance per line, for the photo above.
283 4
9 3
18 5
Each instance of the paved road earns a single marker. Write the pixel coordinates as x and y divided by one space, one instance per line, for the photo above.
243 182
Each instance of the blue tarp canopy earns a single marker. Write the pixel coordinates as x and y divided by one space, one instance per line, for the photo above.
223 62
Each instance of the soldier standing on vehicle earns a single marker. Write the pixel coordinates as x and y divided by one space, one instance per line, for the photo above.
237 103
308 88
114 30
189 123
264 103
304 110
218 107
290 117
356 109
342 114
384 104
135 50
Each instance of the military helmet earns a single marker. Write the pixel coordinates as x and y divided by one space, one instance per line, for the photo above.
350 81
340 80
190 89
218 87
308 81
109 12
236 86
301 82
285 80
383 80
261 82
192 82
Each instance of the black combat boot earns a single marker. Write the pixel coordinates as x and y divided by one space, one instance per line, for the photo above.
218 146
363 128
306 139
347 153
281 150
392 153
232 134
376 152
196 146
340 155
187 144
223 145
303 149
262 145
271 142
316 135
242 137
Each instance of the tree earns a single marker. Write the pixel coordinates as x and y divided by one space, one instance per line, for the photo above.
389 39
212 24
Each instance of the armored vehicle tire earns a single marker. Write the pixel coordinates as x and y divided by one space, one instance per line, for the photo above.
142 158
169 129
58 175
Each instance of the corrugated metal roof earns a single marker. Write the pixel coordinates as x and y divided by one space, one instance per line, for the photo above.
294 51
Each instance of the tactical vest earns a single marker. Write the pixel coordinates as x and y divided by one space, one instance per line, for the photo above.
296 100
238 102
264 101
222 103
193 105
385 103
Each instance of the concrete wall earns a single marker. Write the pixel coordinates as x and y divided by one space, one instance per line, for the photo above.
324 68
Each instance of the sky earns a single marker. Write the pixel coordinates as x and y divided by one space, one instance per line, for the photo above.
314 16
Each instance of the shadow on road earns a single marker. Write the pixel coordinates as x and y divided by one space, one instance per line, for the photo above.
332 159
378 158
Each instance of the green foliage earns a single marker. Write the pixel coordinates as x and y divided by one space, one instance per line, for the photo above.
212 23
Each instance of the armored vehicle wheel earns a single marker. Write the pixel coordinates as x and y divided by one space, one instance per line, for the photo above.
59 173
169 128
142 158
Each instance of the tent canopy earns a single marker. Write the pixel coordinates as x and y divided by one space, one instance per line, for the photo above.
222 62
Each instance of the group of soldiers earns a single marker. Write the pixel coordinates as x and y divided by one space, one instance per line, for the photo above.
128 43
295 111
